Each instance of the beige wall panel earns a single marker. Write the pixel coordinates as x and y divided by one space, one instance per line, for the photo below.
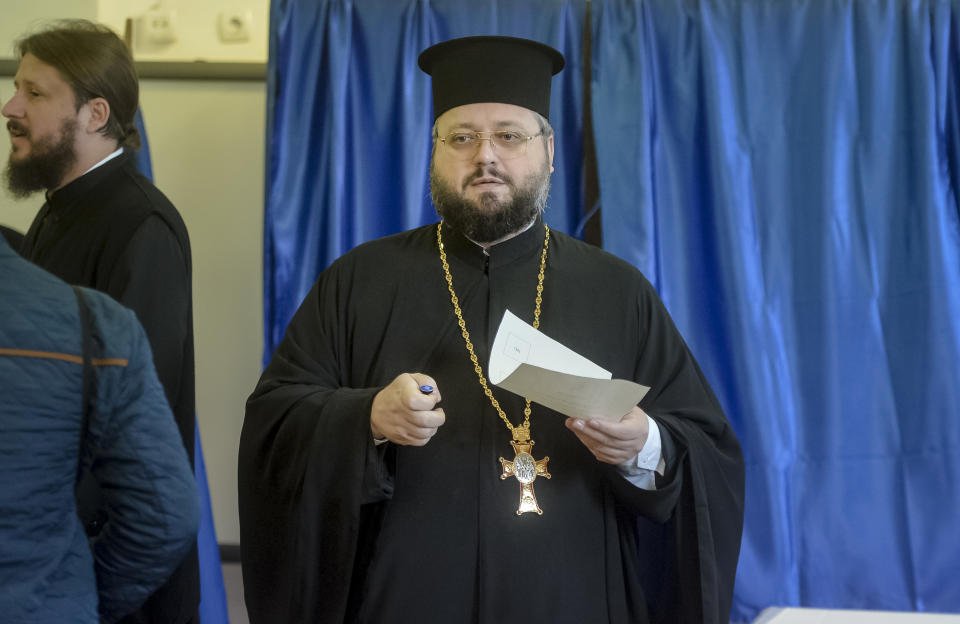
207 145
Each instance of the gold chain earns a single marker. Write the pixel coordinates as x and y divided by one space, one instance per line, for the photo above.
521 433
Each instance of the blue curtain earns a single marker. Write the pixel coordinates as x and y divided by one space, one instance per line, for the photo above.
785 173
213 595
782 171
349 116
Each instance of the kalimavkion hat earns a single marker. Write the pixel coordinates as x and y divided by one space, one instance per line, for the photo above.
491 69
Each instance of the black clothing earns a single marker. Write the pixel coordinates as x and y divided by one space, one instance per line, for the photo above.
335 529
113 230
471 69
13 237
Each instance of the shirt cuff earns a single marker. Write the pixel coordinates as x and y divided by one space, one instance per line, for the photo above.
641 471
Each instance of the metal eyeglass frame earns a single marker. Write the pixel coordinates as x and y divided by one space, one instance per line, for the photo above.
478 136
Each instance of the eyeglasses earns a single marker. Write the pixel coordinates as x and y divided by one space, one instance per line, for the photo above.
507 144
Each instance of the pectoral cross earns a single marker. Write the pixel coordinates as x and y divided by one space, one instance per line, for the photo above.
525 468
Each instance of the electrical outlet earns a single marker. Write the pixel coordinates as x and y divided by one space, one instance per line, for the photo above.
157 27
235 26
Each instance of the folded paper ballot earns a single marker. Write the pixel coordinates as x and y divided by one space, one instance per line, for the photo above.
527 362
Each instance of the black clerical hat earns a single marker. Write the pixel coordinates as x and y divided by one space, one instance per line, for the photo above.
491 69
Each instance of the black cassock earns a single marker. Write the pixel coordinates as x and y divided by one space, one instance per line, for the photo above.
336 529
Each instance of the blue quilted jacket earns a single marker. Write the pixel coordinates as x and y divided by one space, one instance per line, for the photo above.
49 572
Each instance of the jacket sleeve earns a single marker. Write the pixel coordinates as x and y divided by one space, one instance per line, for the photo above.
142 468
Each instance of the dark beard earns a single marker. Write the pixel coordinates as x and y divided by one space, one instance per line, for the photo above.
47 164
492 219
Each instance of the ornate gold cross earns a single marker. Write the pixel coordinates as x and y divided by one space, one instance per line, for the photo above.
525 469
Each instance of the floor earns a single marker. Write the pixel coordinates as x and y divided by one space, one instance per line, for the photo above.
233 582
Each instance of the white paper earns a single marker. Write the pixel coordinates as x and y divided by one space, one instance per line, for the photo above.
527 362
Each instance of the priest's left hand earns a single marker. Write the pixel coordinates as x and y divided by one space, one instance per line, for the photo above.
612 442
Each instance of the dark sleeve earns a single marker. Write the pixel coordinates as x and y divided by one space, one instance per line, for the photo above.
308 473
152 278
700 497
143 471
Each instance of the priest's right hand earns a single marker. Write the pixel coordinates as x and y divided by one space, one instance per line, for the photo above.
405 414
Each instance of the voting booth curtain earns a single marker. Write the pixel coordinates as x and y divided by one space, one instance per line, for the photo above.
784 172
350 119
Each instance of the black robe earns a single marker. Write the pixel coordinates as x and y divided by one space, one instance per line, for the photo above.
113 230
335 529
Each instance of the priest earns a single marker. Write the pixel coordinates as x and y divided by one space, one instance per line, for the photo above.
383 478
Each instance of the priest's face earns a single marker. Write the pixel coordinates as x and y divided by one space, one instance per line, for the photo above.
42 120
486 192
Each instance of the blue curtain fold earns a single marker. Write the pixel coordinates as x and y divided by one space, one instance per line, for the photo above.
785 173
350 118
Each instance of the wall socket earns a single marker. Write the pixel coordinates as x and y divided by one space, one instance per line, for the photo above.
235 26
157 27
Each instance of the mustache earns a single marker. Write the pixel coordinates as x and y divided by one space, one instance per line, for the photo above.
488 172
16 126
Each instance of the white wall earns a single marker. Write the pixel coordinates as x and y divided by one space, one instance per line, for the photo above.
207 145
195 26
19 16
